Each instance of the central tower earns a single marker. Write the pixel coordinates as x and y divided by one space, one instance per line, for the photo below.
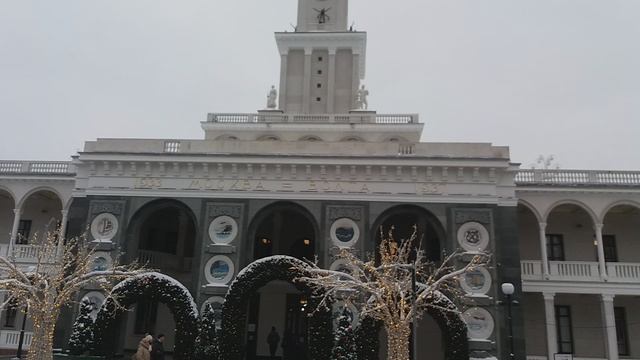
322 62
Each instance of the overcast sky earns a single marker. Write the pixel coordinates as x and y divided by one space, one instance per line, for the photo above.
545 77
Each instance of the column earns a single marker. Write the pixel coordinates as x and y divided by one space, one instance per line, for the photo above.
609 320
355 79
550 320
62 231
306 86
331 86
603 266
543 249
284 61
14 230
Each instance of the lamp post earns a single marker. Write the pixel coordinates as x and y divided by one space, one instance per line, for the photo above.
508 289
21 339
414 323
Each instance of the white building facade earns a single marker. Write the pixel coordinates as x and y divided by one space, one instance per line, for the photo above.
317 169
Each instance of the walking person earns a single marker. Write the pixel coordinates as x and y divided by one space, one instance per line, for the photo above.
144 349
157 348
273 340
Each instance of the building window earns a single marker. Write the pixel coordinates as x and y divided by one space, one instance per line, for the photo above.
319 72
24 230
320 58
610 248
146 313
555 247
318 99
319 86
621 331
11 314
564 329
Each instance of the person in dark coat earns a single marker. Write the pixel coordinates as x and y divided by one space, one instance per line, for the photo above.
273 339
157 348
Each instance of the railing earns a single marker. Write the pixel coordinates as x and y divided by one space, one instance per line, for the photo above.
580 271
623 272
9 339
578 177
574 270
365 118
37 167
25 253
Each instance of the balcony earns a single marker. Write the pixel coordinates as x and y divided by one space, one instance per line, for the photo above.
580 271
9 339
578 178
9 167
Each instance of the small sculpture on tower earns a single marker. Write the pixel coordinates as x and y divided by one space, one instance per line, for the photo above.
362 103
272 97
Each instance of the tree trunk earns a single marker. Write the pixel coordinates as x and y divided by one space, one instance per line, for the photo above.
398 341
42 344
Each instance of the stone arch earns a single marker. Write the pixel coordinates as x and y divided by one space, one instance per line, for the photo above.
269 210
146 211
531 208
580 204
609 207
247 282
11 194
227 137
153 286
429 227
268 138
352 138
310 138
38 189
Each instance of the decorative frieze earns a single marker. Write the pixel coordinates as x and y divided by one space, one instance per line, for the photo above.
106 206
337 212
233 210
482 216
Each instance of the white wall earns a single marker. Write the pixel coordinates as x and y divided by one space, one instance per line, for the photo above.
528 235
44 213
588 330
577 229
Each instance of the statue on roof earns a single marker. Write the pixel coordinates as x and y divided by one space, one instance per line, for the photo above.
272 97
362 103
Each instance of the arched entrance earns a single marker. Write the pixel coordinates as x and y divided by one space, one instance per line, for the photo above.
162 235
41 213
239 325
283 228
403 218
430 332
155 287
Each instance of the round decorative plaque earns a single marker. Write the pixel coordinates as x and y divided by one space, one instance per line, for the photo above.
473 236
219 270
480 323
223 230
344 232
351 312
476 282
104 227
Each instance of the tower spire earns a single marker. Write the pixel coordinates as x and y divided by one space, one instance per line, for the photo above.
323 62
323 15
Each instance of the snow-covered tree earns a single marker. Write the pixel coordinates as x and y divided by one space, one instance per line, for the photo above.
81 339
382 287
344 347
207 340
61 269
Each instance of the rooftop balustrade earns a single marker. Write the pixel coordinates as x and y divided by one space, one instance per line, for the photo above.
274 117
578 177
9 167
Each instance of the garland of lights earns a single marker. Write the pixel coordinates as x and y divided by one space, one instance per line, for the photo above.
155 287
247 283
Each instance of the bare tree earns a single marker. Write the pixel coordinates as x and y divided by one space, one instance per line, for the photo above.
382 288
61 269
